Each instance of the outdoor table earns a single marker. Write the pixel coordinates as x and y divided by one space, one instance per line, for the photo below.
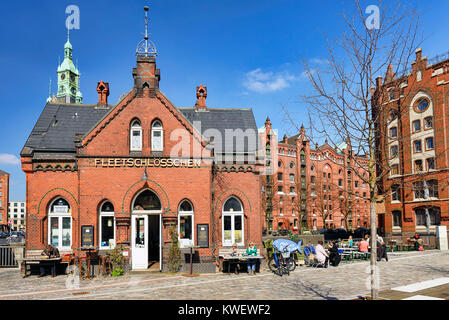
39 261
238 259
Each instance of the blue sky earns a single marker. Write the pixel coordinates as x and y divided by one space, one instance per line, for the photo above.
247 53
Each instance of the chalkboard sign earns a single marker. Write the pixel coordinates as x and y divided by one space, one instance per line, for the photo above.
87 236
202 235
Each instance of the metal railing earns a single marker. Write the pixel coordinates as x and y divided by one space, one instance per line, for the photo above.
7 258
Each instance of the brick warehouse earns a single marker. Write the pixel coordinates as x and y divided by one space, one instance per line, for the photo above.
311 189
108 175
4 196
413 143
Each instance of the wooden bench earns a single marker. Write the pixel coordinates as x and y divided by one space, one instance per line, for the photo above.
225 255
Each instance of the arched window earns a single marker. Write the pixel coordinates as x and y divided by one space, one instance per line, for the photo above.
136 136
232 222
185 224
107 226
157 136
60 224
147 201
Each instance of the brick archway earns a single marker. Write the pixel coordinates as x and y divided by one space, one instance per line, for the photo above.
139 186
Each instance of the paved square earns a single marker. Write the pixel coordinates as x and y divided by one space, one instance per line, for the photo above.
347 281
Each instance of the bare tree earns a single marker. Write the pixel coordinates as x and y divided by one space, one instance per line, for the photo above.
323 200
345 90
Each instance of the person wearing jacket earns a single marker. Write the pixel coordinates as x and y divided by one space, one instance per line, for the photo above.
251 250
334 256
321 255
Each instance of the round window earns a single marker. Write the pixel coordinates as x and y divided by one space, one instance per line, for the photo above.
393 115
423 105
291 165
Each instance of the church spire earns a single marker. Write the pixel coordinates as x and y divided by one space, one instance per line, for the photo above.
68 77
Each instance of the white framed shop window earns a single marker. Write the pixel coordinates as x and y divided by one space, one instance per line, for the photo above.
60 224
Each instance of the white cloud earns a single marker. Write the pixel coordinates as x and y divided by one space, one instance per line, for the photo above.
319 61
262 82
8 159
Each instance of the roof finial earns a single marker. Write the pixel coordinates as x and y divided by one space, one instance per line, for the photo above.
146 47
49 92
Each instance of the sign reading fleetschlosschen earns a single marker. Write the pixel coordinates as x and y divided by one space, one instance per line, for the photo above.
147 162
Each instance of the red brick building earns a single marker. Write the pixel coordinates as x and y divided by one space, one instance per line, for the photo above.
313 188
413 141
106 175
4 196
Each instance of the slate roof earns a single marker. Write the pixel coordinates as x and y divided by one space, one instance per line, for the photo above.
3 172
58 124
222 119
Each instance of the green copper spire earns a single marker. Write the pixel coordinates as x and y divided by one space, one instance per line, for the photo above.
68 77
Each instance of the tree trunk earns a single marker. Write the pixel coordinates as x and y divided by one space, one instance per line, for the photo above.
374 276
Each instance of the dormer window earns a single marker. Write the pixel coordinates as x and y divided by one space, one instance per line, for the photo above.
136 136
157 136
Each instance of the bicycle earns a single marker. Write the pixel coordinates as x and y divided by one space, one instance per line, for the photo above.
281 263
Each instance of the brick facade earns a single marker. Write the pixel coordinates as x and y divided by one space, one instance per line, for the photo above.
315 188
4 196
104 168
413 115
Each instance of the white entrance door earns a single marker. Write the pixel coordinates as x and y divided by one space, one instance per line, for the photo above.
139 230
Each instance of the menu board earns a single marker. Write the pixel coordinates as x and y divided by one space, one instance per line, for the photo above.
202 235
87 236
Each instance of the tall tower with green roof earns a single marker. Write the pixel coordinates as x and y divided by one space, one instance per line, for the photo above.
68 78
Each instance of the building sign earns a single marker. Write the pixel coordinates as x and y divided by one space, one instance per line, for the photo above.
60 209
202 234
87 236
147 162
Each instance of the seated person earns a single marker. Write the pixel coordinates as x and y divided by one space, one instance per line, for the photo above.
234 254
321 255
50 252
363 245
334 255
251 251
417 240
351 242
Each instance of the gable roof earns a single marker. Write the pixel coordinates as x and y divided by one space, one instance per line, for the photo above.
3 172
223 119
58 124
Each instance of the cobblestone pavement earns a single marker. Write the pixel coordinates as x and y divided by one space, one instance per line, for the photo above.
344 282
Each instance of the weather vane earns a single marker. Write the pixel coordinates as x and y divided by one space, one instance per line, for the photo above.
146 47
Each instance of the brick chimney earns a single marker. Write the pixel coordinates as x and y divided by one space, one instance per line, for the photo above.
201 95
103 92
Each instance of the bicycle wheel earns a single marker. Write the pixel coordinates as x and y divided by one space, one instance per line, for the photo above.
291 264
272 265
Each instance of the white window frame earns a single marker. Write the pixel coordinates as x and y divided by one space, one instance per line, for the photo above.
158 129
186 243
135 127
233 214
100 229
60 217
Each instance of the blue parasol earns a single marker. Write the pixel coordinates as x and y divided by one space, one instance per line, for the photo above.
288 245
